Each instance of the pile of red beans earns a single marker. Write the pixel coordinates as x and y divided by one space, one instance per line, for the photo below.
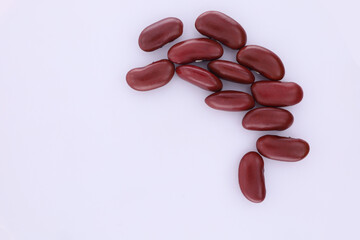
220 28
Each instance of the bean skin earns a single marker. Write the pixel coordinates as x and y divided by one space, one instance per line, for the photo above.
231 71
282 148
230 101
261 60
192 50
199 77
267 119
251 177
221 27
160 33
277 94
152 76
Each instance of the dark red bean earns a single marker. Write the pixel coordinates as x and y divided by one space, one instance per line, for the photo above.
160 33
231 71
221 27
267 119
277 94
261 60
199 77
230 101
192 50
152 76
282 148
251 177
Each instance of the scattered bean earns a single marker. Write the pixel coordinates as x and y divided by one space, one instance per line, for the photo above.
192 50
230 101
152 76
160 33
221 27
282 148
231 71
277 94
199 77
261 60
251 177
267 119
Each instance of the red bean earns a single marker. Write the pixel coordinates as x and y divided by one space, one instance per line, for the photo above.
152 76
230 101
231 71
267 119
195 50
221 27
277 94
282 148
199 77
160 33
261 60
251 177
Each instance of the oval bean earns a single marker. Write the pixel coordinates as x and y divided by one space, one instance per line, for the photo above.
231 71
160 33
192 50
199 77
251 177
152 76
277 94
230 101
267 119
261 60
282 148
221 27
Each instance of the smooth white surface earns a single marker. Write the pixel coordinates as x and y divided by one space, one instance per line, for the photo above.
83 156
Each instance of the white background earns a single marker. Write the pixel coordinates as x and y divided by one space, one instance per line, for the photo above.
83 156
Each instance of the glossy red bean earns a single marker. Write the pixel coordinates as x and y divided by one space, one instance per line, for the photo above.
277 94
192 50
221 27
261 60
267 119
231 71
251 177
160 33
199 77
282 148
230 101
152 76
